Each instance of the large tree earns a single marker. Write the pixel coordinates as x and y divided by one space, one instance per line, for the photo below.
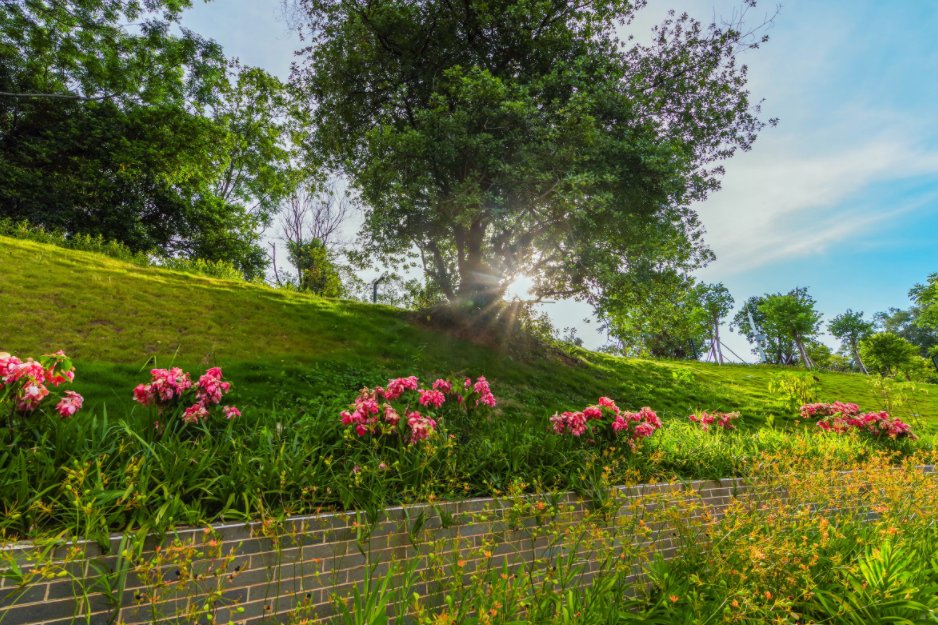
116 121
526 136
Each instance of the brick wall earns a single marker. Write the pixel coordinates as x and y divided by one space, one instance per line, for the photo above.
292 570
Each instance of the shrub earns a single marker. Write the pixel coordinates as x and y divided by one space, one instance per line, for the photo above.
606 421
211 268
405 412
24 385
175 398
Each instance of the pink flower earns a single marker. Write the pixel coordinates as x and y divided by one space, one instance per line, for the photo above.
69 404
619 423
443 386
482 386
420 427
8 365
30 396
397 387
361 430
390 415
211 388
593 412
572 422
644 430
487 399
605 402
432 398
195 413
231 412
143 394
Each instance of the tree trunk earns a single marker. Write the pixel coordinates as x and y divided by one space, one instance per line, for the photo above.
804 355
716 334
856 356
478 287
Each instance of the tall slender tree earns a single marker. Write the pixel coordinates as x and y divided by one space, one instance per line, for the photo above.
716 300
851 328
793 315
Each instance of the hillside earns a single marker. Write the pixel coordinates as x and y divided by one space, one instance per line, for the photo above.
283 349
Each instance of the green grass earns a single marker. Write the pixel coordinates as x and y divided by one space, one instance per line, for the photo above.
282 348
298 360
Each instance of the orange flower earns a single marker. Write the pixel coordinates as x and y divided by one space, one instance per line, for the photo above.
768 596
673 598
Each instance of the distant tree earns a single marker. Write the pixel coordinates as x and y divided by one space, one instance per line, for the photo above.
310 223
524 137
925 297
716 300
820 355
750 321
889 354
851 328
793 315
905 323
659 316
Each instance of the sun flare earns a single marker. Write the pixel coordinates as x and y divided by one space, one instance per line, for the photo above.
519 288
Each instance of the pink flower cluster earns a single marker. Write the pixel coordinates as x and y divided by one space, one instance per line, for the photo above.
481 387
26 383
877 424
636 425
809 411
373 412
722 420
170 388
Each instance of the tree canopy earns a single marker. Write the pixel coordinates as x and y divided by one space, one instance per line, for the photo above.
116 121
851 328
523 137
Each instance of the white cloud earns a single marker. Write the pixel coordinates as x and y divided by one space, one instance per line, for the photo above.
781 200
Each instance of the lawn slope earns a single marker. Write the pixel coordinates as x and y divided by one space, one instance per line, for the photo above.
285 349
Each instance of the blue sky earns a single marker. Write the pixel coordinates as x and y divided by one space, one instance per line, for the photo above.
841 197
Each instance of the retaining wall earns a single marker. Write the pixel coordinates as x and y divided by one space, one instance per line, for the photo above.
292 571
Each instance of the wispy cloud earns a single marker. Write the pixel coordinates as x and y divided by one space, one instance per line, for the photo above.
782 201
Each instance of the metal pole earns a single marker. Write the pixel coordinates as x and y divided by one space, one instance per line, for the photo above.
374 289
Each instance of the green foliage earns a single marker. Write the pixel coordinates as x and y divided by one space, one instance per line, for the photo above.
319 273
851 328
889 354
525 137
905 323
792 316
213 269
925 297
750 321
114 122
661 315
99 245
794 390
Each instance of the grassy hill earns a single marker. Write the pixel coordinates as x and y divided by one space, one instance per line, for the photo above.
283 349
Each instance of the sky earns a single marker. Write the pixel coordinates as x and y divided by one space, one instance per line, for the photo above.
841 197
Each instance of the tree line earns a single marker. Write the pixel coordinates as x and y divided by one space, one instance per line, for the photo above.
783 329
